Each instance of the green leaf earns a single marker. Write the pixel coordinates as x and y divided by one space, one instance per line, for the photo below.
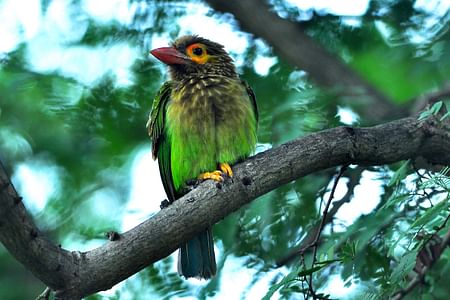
425 114
394 245
406 264
440 179
436 107
445 116
396 198
433 110
349 251
445 171
400 174
431 213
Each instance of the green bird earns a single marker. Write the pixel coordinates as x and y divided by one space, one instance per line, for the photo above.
203 120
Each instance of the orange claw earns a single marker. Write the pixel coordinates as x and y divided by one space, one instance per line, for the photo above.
214 175
226 169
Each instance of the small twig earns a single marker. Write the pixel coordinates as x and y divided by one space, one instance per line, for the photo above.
420 178
327 206
314 244
45 294
354 177
305 279
443 224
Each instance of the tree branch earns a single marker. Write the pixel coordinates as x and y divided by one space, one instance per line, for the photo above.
291 42
74 275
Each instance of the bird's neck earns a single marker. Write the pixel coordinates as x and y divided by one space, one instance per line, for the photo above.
180 73
202 81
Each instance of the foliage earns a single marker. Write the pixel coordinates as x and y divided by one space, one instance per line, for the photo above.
74 100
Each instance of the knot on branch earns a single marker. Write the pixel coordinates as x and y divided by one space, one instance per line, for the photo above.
354 146
436 140
246 180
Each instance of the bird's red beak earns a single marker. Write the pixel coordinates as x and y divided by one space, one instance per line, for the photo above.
170 56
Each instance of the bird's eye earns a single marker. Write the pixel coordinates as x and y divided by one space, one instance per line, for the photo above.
197 51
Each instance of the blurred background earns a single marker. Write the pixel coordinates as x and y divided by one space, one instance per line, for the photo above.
77 84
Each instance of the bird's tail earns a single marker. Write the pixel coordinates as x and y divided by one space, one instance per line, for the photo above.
196 258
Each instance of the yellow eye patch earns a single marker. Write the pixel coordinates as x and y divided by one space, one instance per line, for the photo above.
197 52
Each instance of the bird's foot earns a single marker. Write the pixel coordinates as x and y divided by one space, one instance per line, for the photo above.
226 169
217 175
214 175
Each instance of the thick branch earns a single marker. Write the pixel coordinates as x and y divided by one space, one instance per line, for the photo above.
20 236
291 42
76 274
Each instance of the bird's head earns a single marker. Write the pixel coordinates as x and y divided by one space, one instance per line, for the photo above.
192 55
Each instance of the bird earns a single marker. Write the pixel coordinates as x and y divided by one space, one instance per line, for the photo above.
203 120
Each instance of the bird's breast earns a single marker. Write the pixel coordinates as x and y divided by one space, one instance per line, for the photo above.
204 105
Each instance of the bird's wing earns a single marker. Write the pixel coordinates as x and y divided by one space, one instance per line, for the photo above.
252 97
160 141
156 120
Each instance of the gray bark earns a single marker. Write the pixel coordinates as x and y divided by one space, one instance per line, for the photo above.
290 41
